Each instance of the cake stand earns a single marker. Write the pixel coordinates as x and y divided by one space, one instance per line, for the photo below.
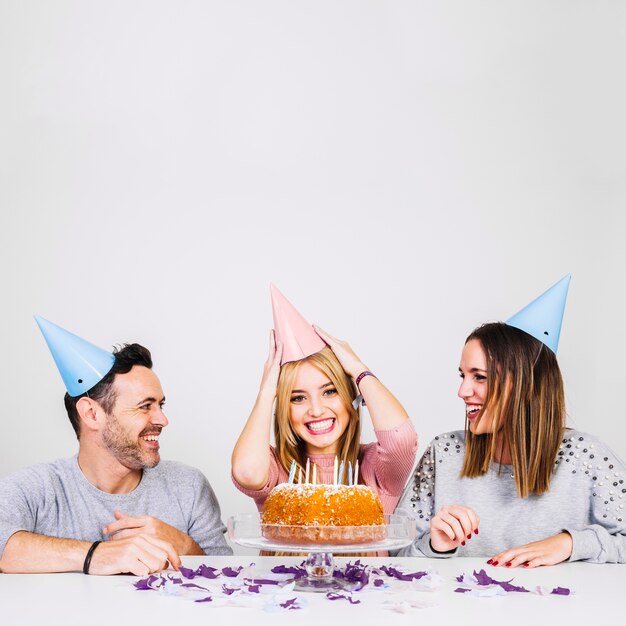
248 531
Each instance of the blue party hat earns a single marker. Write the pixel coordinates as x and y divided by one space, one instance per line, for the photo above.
542 318
81 364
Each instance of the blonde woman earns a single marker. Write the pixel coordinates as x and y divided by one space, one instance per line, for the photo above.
315 420
516 486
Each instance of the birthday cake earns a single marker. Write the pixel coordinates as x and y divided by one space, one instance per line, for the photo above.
323 514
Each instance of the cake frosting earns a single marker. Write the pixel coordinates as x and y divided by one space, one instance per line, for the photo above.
306 513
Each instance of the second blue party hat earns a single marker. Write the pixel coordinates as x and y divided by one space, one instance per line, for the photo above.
542 318
81 364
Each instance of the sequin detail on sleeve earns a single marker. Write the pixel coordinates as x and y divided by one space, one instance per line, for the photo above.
578 455
422 498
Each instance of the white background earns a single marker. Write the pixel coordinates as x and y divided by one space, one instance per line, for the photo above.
403 171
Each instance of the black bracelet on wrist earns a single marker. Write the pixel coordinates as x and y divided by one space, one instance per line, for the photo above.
90 552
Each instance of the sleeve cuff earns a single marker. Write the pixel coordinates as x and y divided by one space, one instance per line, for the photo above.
427 549
7 534
585 545
421 547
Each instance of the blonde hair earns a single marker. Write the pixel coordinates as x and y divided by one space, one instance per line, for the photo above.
526 399
288 445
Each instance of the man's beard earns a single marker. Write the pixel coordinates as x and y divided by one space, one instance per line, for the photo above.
125 449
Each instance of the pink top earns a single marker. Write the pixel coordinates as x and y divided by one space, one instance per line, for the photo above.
384 466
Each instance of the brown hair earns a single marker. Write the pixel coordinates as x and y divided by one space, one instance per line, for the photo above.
525 397
288 445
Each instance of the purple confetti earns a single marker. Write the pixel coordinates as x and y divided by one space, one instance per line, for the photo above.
207 572
331 595
354 573
298 572
482 578
561 591
210 572
507 586
187 573
145 584
263 581
290 604
230 572
392 572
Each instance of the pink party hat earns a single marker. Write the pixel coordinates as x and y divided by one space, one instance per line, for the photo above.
292 330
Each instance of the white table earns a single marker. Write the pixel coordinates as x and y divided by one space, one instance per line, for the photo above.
75 599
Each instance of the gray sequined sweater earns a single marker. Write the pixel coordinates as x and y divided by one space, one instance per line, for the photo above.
587 498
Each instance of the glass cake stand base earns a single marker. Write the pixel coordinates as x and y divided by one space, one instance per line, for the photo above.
320 569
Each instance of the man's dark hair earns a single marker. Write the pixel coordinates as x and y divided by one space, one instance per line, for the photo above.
129 355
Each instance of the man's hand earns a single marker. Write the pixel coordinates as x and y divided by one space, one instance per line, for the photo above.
127 526
452 527
29 553
548 551
140 555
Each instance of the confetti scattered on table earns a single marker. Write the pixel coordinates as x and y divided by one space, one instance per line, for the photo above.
483 585
333 595
275 590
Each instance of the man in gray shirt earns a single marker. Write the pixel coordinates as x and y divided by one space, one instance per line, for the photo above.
114 507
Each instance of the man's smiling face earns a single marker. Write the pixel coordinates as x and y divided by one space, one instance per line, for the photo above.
132 430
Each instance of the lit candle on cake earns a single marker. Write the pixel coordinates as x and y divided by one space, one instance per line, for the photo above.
306 476
314 473
350 473
292 471
341 473
335 466
356 472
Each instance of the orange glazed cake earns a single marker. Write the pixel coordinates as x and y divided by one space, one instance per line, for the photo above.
332 514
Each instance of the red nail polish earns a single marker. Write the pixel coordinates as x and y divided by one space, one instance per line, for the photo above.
469 536
475 531
508 564
490 562
495 563
462 543
525 564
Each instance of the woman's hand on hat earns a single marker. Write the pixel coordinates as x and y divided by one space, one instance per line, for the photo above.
271 369
350 362
452 527
550 551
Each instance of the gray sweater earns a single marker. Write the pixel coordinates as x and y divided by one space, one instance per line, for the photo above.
55 499
587 498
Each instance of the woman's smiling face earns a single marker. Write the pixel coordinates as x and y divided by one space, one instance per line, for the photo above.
473 389
317 414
